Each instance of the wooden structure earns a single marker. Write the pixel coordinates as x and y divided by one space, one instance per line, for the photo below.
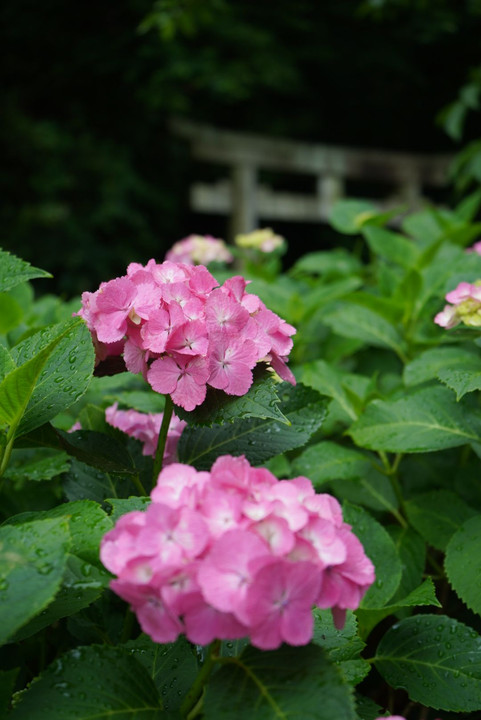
406 178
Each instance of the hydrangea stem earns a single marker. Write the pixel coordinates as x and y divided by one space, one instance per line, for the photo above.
193 696
164 428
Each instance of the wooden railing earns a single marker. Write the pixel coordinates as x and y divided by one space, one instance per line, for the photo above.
407 178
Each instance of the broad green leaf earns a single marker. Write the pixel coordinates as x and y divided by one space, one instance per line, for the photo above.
261 401
92 682
143 401
437 515
463 563
424 595
121 506
82 584
391 246
424 226
381 550
14 271
351 474
337 262
54 367
424 420
7 363
11 313
288 683
461 381
101 451
352 320
172 666
322 294
84 482
430 363
282 297
257 439
436 659
366 708
32 563
468 208
349 216
36 465
343 646
7 684
321 376
411 549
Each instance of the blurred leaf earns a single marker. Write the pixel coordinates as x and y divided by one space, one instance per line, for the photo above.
437 515
14 271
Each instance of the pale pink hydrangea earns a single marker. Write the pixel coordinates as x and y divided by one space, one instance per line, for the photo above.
233 553
264 240
476 248
146 428
465 306
199 250
175 325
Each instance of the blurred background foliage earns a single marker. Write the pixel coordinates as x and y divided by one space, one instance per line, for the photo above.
91 177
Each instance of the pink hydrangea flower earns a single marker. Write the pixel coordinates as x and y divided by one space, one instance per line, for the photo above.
146 428
199 250
234 553
465 306
174 325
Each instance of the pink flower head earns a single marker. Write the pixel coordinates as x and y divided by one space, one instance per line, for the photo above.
233 553
172 323
465 306
199 250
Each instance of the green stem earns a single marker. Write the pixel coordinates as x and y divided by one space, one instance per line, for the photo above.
139 485
159 453
7 451
192 698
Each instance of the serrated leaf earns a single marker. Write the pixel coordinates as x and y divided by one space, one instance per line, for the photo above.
172 666
427 419
343 646
92 682
463 563
353 320
460 380
436 659
257 439
261 401
14 271
121 506
381 550
287 683
431 362
101 451
437 515
32 563
391 246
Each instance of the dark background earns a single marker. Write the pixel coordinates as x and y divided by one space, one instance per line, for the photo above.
91 179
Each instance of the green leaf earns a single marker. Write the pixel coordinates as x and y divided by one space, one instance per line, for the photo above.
436 659
431 362
261 401
348 216
411 549
83 482
461 381
288 683
7 684
381 550
11 313
352 320
321 376
7 363
14 271
121 506
91 682
337 262
257 439
53 370
32 564
36 465
343 646
101 451
82 584
437 515
172 666
391 246
424 420
463 563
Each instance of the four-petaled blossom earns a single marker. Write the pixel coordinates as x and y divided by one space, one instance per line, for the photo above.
183 333
234 552
465 306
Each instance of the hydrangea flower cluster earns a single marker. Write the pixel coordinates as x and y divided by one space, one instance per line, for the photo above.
146 428
199 250
465 306
233 553
173 323
264 240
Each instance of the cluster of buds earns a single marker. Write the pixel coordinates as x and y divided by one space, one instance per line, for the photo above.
199 250
176 326
233 553
465 306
